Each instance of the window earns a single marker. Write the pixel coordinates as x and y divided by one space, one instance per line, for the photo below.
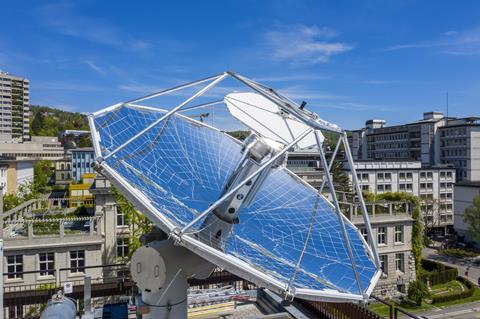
402 175
409 175
382 238
47 264
399 234
384 264
388 175
399 261
388 187
380 188
77 261
120 217
423 174
122 247
380 175
365 176
364 233
365 188
402 187
15 265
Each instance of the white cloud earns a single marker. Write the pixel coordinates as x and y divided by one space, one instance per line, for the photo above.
293 77
303 44
466 42
95 67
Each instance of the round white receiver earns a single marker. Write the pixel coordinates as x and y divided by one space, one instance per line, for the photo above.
266 119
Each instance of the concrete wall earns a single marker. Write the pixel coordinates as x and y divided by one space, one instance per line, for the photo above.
24 172
463 198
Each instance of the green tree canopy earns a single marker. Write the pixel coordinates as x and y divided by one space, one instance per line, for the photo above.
417 291
471 217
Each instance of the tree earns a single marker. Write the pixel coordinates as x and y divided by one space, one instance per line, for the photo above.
10 201
417 291
430 208
139 224
240 135
42 173
471 217
38 123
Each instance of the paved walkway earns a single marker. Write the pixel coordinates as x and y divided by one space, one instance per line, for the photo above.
469 310
460 263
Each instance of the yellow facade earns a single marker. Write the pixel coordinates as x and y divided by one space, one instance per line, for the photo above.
79 194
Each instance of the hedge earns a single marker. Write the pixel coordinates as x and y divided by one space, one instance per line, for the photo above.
437 273
465 294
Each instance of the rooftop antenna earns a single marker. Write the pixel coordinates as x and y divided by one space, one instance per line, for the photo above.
447 107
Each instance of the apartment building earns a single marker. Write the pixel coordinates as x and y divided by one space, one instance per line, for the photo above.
433 140
14 108
433 185
82 162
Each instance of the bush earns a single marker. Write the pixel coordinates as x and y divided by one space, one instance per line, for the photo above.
437 273
417 291
462 295
458 252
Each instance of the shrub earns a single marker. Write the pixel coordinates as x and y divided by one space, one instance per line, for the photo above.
437 273
462 295
458 252
417 291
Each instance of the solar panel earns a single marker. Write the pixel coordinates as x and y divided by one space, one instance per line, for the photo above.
179 167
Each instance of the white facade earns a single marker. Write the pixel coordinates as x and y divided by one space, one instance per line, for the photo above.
464 195
434 140
24 173
433 185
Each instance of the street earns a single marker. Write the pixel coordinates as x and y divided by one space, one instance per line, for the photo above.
465 311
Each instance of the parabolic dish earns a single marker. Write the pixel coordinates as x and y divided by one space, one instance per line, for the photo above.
267 119
177 168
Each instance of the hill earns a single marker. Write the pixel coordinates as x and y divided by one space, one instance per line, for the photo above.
48 121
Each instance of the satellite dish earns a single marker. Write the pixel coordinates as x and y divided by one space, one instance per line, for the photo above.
267 119
232 203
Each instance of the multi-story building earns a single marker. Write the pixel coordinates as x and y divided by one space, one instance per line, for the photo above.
63 170
14 108
39 148
465 192
47 251
79 194
460 146
433 140
82 162
306 165
433 185
392 230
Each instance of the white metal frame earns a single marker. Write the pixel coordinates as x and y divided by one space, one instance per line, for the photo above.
233 264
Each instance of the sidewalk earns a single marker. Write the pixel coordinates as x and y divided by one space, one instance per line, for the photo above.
460 263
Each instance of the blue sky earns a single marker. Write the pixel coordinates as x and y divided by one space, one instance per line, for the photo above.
350 60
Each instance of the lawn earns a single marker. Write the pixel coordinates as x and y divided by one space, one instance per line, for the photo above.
451 287
454 285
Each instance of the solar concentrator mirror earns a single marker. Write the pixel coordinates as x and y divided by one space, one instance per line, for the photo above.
179 167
